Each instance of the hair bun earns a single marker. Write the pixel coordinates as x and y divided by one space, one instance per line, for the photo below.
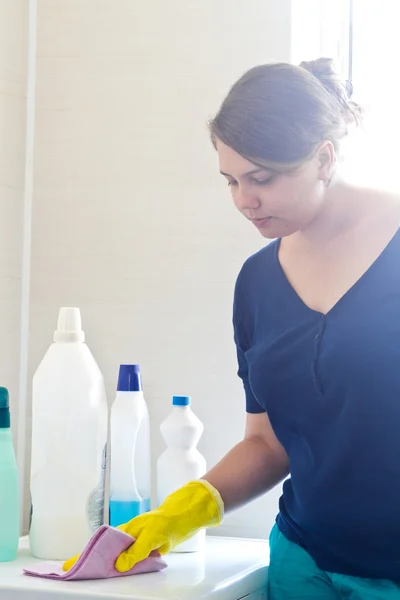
324 70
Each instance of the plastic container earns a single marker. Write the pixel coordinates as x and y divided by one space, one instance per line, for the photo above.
69 439
9 492
130 471
181 462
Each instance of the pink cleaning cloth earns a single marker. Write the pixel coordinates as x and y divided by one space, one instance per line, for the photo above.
98 559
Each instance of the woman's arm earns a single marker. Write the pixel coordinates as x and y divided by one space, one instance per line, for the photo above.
252 467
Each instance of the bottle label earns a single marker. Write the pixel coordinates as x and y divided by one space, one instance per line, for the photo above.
95 504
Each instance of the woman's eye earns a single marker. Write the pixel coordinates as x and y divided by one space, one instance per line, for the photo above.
263 181
232 183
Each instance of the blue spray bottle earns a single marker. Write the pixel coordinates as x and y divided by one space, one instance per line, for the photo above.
9 493
130 479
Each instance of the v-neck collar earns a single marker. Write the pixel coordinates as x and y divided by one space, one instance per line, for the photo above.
348 292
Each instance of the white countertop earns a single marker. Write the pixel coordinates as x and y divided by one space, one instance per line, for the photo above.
228 569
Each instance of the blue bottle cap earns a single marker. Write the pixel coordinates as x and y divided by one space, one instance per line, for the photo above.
181 400
4 409
129 379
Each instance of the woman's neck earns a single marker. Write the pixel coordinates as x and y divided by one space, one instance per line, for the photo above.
344 208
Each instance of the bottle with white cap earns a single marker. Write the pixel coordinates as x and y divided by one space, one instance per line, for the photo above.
69 438
130 477
181 462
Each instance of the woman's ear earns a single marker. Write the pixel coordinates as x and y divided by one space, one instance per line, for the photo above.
327 162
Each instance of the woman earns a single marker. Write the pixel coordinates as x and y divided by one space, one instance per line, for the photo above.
317 330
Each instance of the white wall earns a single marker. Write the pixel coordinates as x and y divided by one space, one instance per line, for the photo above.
13 55
131 220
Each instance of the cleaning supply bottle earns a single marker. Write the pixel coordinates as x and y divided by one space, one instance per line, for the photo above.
181 462
130 476
69 439
9 493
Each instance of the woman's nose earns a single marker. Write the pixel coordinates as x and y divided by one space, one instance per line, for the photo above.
244 199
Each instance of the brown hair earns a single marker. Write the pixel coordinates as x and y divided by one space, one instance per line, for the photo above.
280 113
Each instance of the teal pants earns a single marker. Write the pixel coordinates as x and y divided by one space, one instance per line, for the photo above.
293 575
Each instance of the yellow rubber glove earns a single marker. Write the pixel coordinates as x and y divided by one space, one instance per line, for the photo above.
182 514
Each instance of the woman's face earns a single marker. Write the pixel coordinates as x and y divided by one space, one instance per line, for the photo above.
278 204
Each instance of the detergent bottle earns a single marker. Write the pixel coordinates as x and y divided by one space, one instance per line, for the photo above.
130 474
69 438
9 493
181 462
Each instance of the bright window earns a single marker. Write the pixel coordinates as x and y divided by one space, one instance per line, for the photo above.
375 52
363 37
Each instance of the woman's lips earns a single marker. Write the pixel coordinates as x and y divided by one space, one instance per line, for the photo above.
260 223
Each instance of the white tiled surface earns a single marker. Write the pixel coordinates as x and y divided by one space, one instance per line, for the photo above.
13 60
131 220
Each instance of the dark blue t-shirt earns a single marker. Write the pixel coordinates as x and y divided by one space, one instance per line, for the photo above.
331 388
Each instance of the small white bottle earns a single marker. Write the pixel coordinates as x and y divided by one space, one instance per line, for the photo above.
69 437
181 462
130 472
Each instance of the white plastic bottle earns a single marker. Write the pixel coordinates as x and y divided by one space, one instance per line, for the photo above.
130 475
181 462
69 438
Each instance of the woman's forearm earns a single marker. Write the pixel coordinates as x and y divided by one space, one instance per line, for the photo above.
249 470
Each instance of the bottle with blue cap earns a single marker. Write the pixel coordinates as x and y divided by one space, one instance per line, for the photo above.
130 474
181 462
9 493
